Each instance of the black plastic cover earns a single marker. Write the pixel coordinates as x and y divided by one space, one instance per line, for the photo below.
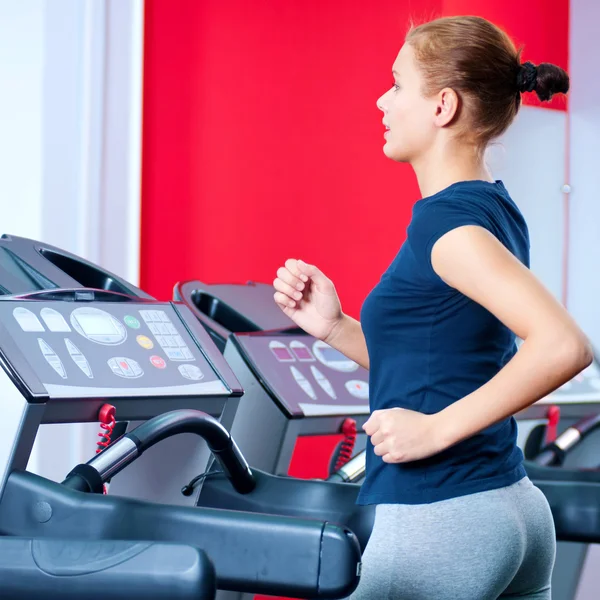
71 570
255 553
573 495
28 265
280 495
232 308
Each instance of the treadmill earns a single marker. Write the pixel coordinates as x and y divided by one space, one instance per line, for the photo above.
278 413
65 350
298 390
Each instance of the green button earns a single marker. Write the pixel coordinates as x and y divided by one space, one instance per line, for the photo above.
132 322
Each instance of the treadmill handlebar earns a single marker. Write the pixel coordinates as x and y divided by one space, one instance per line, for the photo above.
353 471
554 454
587 424
125 450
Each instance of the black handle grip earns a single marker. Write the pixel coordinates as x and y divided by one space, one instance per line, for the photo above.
234 465
587 424
169 424
84 478
550 456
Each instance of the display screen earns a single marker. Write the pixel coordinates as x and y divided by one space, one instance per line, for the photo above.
282 353
331 354
302 352
96 325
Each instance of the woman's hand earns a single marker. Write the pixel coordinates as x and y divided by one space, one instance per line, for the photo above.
400 435
308 297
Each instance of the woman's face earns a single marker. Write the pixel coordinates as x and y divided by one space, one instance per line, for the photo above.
408 116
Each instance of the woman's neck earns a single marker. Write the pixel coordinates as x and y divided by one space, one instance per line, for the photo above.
441 168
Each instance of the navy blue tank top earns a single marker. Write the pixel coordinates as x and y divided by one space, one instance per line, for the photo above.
429 346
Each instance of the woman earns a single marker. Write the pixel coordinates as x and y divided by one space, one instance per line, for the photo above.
456 516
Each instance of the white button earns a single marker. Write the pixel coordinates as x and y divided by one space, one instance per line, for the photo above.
169 342
57 365
174 354
162 316
191 372
153 328
303 383
54 320
161 340
171 329
323 382
358 388
135 367
180 342
147 315
115 367
187 354
83 364
71 347
78 357
27 320
45 348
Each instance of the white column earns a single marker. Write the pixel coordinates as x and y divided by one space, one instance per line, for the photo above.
584 279
70 117
121 160
21 107
21 116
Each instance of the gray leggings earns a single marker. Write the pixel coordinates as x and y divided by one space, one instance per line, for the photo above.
494 544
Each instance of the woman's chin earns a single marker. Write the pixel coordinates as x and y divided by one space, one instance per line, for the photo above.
394 153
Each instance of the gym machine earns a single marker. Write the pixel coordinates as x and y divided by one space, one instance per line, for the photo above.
66 349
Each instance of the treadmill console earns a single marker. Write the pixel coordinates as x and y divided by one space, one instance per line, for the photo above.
104 349
305 376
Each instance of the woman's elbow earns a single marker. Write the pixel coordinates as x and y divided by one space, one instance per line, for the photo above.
576 351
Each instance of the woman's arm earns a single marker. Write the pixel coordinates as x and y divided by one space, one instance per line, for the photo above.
554 350
348 337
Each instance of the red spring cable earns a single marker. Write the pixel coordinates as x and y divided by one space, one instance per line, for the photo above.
347 446
107 419
553 416
107 422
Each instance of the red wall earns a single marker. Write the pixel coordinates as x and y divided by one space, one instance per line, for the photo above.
262 141
261 138
541 27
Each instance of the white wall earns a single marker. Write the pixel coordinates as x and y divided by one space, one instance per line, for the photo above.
21 107
70 120
530 159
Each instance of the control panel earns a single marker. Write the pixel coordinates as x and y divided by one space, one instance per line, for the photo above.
306 376
106 349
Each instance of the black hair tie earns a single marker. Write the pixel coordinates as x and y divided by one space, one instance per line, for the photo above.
527 77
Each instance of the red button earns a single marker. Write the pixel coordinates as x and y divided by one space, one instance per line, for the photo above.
158 362
124 365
